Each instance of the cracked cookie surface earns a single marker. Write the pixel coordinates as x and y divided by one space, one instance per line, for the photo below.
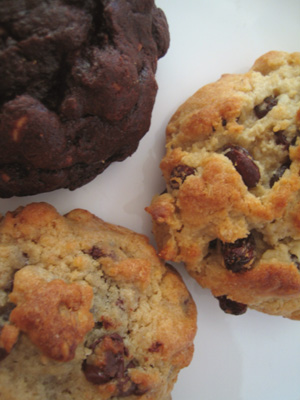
231 209
87 310
77 88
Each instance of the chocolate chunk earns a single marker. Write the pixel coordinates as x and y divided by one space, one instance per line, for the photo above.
95 374
114 366
240 255
261 110
244 164
179 174
231 306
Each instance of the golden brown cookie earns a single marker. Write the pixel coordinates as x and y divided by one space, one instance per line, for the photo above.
231 209
87 310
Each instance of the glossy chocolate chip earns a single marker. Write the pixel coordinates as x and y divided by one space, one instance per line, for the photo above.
262 109
113 365
179 174
231 306
244 164
240 255
113 368
279 172
95 374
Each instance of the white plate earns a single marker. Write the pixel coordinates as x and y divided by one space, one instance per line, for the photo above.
249 357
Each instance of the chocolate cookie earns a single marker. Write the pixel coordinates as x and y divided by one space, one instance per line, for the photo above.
231 210
87 310
77 88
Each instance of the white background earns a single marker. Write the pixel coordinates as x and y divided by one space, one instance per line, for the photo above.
248 357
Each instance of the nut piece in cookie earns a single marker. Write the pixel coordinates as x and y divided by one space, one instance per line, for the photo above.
88 310
77 88
232 171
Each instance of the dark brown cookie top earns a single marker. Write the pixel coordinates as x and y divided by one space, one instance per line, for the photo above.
77 88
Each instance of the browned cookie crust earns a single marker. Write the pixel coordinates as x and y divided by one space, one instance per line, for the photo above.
231 210
87 311
77 88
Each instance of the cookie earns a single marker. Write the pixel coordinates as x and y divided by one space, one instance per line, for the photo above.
231 209
77 88
87 310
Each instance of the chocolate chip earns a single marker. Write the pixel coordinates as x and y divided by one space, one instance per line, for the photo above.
95 374
98 325
213 244
113 367
95 252
281 139
231 306
262 109
179 174
279 172
240 255
244 164
155 347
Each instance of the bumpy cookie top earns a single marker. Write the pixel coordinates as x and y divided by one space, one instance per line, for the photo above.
87 310
77 88
231 210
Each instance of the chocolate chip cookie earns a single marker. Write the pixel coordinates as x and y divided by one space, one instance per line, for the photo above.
231 209
87 310
77 88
